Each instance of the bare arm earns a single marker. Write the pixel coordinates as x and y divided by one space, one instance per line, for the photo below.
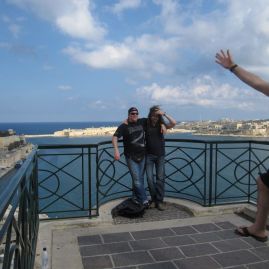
116 148
226 61
171 122
163 129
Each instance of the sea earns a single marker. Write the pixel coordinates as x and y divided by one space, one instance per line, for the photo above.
41 132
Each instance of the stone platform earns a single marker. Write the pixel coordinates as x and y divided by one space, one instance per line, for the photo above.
184 236
201 246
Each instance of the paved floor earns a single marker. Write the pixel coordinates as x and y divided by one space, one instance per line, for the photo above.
209 245
170 239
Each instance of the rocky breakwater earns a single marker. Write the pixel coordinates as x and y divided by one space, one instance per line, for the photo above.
101 131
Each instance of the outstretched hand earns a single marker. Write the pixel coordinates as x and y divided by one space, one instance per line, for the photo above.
225 60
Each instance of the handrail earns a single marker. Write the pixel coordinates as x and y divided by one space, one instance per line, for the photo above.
8 192
19 216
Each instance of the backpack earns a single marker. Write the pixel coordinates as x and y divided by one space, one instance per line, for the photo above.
128 209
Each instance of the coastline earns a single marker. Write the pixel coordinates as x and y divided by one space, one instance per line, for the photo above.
235 135
101 131
109 131
38 135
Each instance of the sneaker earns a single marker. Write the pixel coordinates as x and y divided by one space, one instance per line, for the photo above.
161 206
146 205
152 204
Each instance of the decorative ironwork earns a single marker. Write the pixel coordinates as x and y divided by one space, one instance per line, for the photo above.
65 180
186 170
206 172
237 168
19 217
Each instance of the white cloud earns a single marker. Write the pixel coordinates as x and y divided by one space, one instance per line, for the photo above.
183 32
64 88
108 56
146 54
123 5
203 92
98 104
240 25
72 17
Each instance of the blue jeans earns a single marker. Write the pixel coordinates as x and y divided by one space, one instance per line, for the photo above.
156 189
137 171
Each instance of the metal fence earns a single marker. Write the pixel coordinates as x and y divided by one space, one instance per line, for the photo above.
67 181
74 180
19 220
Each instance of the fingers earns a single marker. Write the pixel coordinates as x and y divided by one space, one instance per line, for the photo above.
218 56
229 55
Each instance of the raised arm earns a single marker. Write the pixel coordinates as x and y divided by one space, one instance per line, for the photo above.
171 122
226 61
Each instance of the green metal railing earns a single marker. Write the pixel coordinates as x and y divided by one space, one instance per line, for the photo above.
19 217
67 181
74 180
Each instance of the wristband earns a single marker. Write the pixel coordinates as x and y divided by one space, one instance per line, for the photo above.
233 67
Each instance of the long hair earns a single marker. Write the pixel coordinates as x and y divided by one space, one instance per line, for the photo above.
152 110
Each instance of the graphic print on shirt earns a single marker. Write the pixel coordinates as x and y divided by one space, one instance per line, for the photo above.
137 135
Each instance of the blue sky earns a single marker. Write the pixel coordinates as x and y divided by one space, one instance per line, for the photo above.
90 60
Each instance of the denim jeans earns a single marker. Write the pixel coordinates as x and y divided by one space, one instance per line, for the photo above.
137 171
156 189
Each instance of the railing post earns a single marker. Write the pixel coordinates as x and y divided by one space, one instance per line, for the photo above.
249 167
97 180
90 181
210 174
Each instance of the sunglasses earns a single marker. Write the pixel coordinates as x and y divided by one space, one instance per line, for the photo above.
134 113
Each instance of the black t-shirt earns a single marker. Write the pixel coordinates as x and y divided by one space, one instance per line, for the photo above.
155 143
133 137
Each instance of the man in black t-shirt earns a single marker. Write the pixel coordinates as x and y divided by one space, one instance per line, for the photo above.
133 135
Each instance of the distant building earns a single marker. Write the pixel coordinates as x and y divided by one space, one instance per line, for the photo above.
12 149
228 127
11 142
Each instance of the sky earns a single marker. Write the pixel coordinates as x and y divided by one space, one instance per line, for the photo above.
90 60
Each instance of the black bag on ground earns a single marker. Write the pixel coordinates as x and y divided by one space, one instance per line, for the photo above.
129 209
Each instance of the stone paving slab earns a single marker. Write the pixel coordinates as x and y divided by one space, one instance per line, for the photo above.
202 246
